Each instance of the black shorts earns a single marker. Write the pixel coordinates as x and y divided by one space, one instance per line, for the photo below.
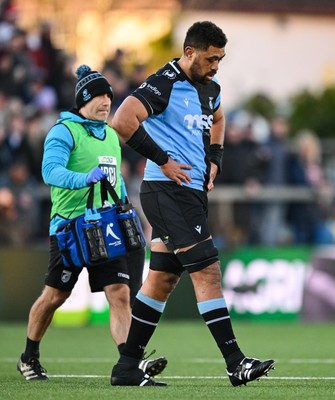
64 278
178 215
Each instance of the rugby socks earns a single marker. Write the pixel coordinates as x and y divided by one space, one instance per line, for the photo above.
32 350
217 318
120 347
146 313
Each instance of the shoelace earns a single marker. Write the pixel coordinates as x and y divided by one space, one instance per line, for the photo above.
145 356
36 366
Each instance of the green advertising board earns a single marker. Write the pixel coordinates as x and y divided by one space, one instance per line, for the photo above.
265 283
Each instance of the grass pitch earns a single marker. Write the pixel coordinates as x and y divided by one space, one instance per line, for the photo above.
79 362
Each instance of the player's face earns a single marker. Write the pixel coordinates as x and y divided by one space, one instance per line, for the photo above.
206 64
98 108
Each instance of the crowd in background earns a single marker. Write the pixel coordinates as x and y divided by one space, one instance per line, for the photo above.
37 82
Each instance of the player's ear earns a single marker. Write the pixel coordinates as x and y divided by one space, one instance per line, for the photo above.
189 51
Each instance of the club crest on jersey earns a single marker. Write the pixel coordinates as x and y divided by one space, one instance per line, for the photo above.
169 74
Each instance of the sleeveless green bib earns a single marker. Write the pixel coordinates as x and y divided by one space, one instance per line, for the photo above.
88 152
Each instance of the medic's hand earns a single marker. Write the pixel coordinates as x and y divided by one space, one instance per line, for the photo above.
96 175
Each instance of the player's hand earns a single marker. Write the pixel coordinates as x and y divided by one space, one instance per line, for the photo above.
95 175
212 176
175 171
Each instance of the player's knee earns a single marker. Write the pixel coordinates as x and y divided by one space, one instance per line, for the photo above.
199 256
169 264
56 298
117 291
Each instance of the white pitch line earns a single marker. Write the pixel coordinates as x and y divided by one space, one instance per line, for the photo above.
190 360
295 378
282 360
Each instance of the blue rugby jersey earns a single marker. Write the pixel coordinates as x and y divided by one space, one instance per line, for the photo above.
180 117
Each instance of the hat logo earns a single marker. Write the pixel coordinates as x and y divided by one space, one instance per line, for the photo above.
86 95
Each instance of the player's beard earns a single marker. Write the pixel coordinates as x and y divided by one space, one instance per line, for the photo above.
195 75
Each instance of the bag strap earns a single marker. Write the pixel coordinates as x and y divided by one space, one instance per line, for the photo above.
105 188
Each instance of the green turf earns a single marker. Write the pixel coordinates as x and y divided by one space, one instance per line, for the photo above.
305 355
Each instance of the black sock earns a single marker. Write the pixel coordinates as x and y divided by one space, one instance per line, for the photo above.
143 324
218 322
121 347
32 350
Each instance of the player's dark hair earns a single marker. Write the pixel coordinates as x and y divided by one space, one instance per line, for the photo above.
201 35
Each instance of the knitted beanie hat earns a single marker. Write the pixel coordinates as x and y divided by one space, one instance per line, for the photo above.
89 85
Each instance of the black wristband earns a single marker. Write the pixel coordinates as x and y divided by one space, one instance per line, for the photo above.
142 142
216 155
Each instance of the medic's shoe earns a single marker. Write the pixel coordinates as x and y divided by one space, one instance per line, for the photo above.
32 370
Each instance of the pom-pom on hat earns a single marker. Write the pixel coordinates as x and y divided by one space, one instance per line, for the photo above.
89 85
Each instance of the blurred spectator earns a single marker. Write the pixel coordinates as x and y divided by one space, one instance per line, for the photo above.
8 18
44 54
113 70
3 107
8 216
65 88
9 83
243 165
116 63
24 212
22 61
43 97
273 228
15 144
36 137
138 75
308 220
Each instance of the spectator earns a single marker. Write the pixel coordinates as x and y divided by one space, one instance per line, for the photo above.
305 170
25 215
43 97
8 216
15 145
243 165
273 228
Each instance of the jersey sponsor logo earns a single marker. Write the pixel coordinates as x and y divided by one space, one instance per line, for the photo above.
66 275
169 74
198 229
198 122
150 88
